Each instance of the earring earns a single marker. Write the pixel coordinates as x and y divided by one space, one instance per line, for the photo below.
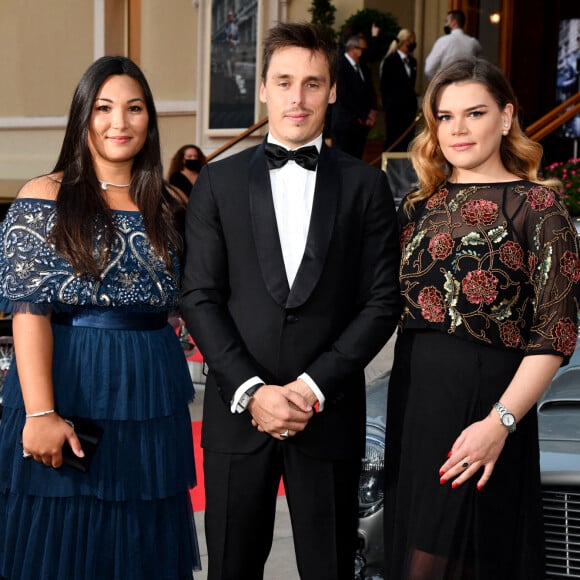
506 130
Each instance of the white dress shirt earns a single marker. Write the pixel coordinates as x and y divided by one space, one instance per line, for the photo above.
355 65
293 195
449 48
406 62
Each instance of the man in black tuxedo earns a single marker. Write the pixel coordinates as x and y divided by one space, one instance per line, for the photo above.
289 290
355 110
398 75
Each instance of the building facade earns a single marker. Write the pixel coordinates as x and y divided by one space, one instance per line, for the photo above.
205 86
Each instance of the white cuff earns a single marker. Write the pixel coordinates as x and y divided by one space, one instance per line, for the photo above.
242 389
308 380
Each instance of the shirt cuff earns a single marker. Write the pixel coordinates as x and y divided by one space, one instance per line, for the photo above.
252 382
309 381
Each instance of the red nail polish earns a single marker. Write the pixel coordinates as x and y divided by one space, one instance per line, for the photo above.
449 454
479 487
441 472
442 481
454 485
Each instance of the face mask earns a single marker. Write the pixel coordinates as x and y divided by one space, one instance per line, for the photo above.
446 29
193 164
412 46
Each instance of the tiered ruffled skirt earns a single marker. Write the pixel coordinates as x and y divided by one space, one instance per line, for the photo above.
130 516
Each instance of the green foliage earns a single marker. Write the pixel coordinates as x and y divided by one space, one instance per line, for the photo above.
323 15
361 23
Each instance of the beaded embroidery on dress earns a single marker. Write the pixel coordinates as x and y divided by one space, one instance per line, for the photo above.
130 516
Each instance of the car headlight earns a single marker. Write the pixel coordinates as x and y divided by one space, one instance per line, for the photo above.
371 484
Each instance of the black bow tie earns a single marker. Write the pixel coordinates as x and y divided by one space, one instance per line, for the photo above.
277 156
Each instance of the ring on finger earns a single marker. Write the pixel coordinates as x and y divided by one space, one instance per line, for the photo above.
285 434
465 465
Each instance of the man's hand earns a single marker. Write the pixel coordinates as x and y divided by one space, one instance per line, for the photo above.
301 387
276 409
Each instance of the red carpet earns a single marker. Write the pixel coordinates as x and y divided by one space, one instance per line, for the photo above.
198 494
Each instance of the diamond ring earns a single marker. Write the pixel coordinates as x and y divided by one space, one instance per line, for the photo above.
285 434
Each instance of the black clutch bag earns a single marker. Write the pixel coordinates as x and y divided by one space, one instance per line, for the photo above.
89 435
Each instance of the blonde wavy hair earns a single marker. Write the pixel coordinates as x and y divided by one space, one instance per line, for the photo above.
520 155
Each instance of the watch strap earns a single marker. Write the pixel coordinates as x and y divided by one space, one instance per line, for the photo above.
246 397
503 412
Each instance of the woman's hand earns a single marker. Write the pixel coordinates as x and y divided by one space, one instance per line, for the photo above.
43 438
479 445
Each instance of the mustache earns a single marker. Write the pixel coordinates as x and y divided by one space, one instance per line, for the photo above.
300 111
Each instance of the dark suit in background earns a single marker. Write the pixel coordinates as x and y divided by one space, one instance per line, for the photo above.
355 99
399 99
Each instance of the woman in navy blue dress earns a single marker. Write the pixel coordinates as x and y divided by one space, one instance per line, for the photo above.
89 268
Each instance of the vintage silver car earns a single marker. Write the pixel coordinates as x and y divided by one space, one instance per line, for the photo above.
369 558
559 430
559 424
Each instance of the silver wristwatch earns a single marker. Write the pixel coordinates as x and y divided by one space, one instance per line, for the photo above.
246 398
506 418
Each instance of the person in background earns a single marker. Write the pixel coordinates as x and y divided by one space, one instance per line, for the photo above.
230 39
453 45
289 291
355 109
398 74
489 278
231 35
90 268
185 167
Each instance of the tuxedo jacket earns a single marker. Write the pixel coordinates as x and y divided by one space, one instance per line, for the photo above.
341 309
354 97
398 88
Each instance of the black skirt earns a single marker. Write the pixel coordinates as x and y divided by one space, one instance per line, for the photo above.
439 386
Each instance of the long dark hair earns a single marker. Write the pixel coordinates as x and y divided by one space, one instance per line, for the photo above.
81 209
177 160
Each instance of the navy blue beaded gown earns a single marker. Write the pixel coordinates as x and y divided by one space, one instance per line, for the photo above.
130 516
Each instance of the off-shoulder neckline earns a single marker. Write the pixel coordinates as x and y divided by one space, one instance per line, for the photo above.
42 200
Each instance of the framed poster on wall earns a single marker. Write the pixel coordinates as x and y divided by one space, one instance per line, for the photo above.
568 75
233 65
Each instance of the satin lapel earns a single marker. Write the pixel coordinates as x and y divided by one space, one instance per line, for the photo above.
322 221
265 228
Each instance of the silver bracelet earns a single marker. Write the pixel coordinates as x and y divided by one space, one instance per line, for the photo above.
40 413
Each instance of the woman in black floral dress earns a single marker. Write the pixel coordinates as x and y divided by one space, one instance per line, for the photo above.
489 274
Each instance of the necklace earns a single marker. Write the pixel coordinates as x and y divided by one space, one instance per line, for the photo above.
105 184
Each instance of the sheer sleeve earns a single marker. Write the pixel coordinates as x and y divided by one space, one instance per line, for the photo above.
554 266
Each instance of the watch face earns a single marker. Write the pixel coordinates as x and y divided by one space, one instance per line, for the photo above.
508 420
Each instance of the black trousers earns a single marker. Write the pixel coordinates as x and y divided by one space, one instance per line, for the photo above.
241 492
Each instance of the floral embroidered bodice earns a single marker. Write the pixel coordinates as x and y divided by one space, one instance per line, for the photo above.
31 271
493 263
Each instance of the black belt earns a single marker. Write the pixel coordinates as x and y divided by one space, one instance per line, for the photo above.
112 320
